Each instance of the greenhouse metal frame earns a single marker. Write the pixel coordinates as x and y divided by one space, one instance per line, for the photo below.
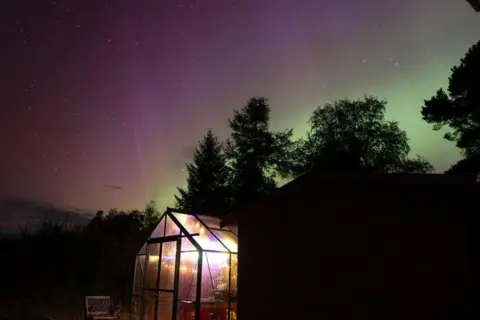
186 270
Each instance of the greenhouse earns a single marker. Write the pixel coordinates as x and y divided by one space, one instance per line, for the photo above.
187 270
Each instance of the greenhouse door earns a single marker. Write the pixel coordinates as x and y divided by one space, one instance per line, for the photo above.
166 307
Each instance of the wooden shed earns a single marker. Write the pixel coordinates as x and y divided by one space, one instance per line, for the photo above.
371 246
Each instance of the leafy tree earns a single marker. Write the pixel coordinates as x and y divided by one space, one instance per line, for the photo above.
207 178
417 165
255 154
354 136
468 165
56 264
459 109
151 215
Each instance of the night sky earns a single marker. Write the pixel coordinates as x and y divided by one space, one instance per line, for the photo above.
104 100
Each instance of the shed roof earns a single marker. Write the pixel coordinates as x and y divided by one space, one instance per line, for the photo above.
395 182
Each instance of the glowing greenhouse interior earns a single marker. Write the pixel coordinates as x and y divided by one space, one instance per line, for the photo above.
187 270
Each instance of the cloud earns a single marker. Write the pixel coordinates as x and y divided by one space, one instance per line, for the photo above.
111 187
19 211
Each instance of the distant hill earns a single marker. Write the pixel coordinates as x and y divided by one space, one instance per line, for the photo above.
18 211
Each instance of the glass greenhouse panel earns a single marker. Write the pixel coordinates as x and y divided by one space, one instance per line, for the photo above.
149 298
167 266
143 250
215 278
233 286
135 310
152 266
187 245
165 306
202 235
211 222
139 274
234 276
189 222
207 241
228 239
159 231
188 276
171 228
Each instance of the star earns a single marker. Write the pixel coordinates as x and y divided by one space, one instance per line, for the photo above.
135 102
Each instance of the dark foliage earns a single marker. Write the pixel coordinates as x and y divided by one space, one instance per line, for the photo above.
458 108
470 166
255 154
49 270
207 178
353 136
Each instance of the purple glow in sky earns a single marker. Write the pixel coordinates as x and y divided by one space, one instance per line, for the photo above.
117 93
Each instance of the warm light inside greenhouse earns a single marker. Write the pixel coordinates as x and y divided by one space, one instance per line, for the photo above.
187 270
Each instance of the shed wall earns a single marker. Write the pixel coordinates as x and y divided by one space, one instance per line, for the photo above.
355 251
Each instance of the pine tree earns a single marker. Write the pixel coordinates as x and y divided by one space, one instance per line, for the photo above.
255 154
206 190
456 109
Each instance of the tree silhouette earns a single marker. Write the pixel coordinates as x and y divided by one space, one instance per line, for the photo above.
151 215
207 178
459 109
468 165
50 269
354 136
255 154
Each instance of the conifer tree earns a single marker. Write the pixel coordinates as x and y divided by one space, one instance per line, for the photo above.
255 154
457 108
206 190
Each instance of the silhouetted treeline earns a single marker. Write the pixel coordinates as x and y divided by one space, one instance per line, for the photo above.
49 270
458 109
343 136
346 135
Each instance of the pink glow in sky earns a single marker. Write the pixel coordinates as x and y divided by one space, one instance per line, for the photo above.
105 100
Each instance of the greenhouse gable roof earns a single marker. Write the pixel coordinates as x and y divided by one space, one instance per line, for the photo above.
198 232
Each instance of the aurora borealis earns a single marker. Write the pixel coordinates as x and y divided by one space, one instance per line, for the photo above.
104 101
